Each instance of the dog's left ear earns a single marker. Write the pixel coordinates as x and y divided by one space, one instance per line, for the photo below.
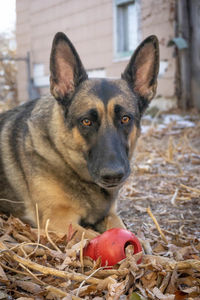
142 71
66 69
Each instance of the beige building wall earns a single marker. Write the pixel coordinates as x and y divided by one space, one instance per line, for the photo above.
90 25
157 17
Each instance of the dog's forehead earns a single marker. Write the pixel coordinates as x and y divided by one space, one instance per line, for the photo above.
105 90
105 93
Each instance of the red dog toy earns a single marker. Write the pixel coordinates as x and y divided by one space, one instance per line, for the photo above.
110 246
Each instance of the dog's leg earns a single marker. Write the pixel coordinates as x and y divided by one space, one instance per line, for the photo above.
60 220
57 206
111 221
114 221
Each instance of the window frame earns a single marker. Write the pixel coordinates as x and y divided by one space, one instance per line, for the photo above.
124 55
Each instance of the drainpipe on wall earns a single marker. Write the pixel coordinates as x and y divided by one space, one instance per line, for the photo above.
33 91
183 51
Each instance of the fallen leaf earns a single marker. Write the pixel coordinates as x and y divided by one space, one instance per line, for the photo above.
29 286
161 296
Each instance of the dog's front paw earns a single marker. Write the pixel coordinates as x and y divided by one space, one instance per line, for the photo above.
111 221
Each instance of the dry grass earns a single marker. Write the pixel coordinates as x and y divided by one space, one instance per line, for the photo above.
160 203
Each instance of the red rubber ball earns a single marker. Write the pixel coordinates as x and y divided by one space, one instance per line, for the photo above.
110 246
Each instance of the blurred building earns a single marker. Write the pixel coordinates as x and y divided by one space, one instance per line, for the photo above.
104 32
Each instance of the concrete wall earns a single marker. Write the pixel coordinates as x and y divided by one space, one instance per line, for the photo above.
90 26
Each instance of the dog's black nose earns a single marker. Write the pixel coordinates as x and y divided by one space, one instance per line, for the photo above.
112 176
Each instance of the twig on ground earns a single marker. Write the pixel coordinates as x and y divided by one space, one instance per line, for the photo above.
85 280
51 271
56 291
157 225
49 238
190 188
31 274
173 199
81 251
38 233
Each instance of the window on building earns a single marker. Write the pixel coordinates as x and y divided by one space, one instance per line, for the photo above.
39 77
96 73
126 27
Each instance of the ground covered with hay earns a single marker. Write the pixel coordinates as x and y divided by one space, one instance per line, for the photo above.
159 203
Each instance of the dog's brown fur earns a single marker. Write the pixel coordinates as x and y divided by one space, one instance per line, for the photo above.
70 152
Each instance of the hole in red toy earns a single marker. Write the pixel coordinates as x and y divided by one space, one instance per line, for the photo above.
129 248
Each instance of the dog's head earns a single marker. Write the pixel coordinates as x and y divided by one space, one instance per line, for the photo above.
103 114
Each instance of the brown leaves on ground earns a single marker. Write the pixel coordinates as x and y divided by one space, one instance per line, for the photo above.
43 265
32 270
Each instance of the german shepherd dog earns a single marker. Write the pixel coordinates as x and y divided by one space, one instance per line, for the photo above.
70 152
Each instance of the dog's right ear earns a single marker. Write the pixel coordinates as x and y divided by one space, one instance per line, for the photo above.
66 69
142 71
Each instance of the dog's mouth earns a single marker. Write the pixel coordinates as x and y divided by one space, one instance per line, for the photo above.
111 183
109 186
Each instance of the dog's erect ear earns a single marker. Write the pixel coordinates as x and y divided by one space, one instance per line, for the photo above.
142 71
66 69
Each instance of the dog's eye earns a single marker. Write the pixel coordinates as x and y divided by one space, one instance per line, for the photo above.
125 119
86 122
